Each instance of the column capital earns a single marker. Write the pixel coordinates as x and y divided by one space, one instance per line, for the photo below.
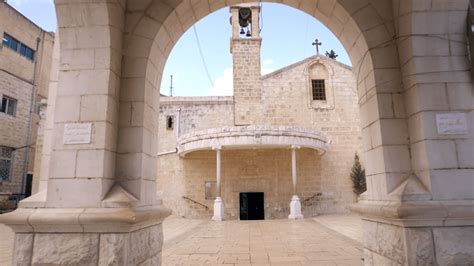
294 147
217 148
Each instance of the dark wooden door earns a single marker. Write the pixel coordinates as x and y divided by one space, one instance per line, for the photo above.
251 206
29 185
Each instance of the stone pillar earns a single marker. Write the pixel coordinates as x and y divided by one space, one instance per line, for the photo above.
295 204
87 216
425 215
218 203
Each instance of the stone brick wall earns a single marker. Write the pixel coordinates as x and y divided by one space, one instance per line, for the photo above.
324 184
196 113
16 81
247 80
14 129
25 31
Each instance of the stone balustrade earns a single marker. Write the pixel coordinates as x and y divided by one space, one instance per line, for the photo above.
252 137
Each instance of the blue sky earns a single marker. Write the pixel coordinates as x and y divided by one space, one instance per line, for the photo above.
287 36
39 11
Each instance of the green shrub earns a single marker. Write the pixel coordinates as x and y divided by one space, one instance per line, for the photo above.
358 176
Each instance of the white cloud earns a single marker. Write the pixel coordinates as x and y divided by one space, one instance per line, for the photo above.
266 70
267 66
224 85
268 62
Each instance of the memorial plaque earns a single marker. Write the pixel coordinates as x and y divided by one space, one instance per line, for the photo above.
451 124
210 189
77 133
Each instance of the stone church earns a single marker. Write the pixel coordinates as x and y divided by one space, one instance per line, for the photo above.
288 136
96 200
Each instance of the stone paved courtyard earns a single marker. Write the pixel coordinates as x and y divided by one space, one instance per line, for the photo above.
270 242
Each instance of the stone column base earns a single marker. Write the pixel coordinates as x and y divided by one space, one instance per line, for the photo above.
87 236
218 210
417 233
140 247
295 208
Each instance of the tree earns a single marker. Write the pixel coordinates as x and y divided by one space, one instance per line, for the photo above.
358 176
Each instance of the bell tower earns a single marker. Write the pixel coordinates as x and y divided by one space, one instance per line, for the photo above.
245 48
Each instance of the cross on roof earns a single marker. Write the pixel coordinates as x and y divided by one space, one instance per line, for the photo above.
317 43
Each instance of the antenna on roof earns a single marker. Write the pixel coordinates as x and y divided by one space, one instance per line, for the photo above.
171 87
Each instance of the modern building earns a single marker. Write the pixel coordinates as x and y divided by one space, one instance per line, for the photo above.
25 62
288 136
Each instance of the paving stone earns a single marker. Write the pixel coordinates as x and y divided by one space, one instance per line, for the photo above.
266 242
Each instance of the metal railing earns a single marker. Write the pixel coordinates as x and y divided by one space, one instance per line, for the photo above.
196 202
319 194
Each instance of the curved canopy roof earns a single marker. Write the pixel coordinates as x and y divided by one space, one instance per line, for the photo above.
252 137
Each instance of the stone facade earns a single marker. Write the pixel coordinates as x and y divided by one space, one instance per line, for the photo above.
411 64
324 184
17 80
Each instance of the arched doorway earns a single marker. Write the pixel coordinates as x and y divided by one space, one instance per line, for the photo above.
112 57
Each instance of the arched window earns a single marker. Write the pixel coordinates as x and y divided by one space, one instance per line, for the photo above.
320 92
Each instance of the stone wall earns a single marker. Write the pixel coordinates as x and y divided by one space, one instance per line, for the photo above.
16 81
324 180
263 170
14 129
247 81
25 31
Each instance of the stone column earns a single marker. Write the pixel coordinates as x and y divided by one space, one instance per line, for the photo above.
88 217
295 204
218 203
420 212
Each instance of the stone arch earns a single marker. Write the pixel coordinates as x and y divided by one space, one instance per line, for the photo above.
89 83
318 69
364 28
406 221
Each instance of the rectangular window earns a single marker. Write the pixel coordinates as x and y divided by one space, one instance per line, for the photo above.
319 89
27 52
17 46
6 156
10 42
8 106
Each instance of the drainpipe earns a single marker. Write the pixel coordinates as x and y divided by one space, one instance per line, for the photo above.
30 120
178 122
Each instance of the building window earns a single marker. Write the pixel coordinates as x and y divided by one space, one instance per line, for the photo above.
169 122
6 156
319 89
10 42
8 106
18 47
27 52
